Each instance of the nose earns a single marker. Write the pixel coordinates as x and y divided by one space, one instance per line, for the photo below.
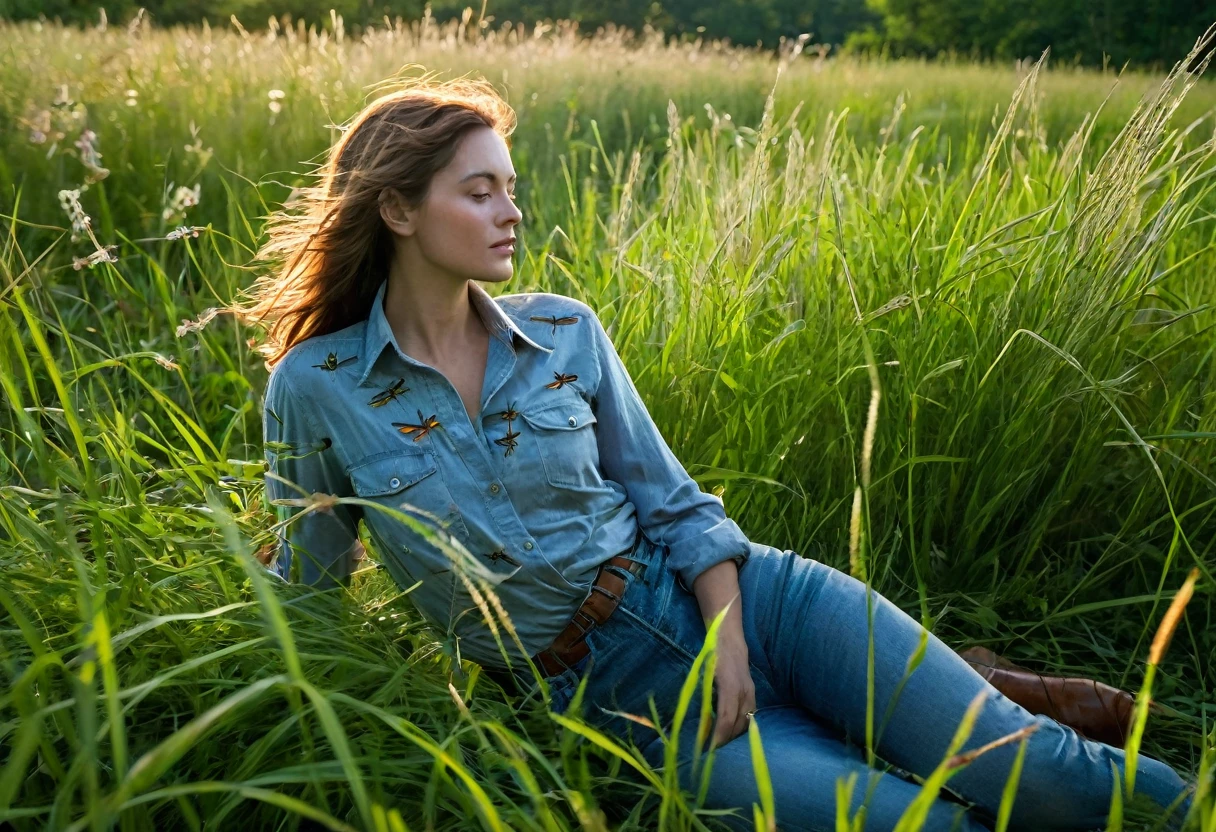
513 215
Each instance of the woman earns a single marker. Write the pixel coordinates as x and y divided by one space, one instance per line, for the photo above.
512 424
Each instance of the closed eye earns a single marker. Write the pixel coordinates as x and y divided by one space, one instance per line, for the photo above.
483 197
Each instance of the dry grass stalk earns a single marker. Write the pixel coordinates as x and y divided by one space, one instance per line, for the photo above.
967 757
1173 615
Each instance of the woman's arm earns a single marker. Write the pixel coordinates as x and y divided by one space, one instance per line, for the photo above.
733 686
301 462
671 507
673 510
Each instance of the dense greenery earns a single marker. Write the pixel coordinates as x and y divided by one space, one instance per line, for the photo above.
1029 261
1144 32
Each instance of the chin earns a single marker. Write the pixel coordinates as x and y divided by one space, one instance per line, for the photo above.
497 276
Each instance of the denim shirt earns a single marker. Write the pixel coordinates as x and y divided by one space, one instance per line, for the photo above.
555 475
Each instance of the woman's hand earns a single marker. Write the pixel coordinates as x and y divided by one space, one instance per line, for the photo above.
735 691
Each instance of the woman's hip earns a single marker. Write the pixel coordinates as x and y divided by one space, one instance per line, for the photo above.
649 645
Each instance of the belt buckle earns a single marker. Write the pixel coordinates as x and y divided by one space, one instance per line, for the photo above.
634 567
637 567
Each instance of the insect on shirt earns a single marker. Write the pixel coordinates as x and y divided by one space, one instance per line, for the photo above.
554 476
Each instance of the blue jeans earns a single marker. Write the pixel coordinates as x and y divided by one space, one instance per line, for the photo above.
806 633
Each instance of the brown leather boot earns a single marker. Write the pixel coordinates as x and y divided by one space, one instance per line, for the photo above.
1094 710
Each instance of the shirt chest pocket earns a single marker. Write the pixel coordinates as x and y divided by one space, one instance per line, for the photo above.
561 433
410 481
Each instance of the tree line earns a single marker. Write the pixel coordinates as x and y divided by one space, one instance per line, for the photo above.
1142 33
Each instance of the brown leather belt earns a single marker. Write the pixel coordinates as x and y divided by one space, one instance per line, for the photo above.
570 646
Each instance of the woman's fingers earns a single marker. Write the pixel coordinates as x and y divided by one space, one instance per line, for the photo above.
733 708
747 705
727 727
725 710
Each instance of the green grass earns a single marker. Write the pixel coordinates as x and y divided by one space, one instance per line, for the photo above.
1032 269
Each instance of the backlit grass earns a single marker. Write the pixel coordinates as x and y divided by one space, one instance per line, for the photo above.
1030 267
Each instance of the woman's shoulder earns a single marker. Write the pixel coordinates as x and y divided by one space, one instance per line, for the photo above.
306 362
543 307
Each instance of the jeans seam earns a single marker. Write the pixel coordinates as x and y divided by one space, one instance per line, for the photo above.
658 634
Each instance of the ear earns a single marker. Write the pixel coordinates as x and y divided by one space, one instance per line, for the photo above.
397 215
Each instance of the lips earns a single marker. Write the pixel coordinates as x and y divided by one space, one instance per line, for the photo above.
507 241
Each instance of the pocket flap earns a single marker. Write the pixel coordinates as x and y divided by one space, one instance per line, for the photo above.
568 413
389 474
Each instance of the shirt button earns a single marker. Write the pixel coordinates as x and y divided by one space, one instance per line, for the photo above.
528 545
493 488
572 421
394 483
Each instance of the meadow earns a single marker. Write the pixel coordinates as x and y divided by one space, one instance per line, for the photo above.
947 326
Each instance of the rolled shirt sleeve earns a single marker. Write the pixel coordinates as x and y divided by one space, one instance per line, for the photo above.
321 541
671 508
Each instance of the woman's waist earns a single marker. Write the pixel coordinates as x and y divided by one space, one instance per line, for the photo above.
540 609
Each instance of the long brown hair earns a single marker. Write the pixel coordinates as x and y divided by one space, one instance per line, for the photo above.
330 250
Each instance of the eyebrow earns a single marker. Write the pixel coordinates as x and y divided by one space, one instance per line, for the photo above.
485 174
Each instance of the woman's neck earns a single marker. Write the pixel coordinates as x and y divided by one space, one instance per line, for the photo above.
430 315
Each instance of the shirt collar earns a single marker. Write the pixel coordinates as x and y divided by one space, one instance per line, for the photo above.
379 334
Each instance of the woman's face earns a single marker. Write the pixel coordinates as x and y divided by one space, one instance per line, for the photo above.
467 212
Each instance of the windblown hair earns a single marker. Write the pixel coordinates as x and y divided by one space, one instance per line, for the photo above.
328 249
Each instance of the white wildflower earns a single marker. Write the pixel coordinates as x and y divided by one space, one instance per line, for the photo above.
90 157
70 200
183 231
182 199
102 255
167 362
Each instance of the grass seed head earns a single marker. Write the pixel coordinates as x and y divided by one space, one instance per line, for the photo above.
1173 615
198 323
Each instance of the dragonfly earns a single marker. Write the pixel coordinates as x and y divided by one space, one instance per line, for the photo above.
508 441
419 430
556 321
332 363
501 555
560 379
394 390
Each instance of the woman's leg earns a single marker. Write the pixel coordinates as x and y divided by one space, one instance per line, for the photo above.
642 656
806 625
805 759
